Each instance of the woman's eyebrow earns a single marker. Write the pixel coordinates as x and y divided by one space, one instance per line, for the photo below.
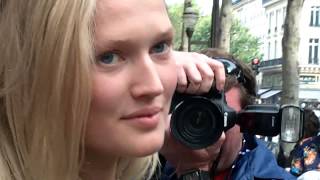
165 35
162 35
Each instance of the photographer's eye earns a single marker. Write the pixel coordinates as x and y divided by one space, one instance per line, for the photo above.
161 47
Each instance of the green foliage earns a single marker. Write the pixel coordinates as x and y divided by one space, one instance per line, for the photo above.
175 14
243 45
201 35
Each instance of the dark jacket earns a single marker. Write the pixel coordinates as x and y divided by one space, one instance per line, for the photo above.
255 161
305 156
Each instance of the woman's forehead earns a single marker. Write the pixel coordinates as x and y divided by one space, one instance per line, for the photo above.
119 12
116 21
118 7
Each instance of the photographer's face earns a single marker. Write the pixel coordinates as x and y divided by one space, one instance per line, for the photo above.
233 142
133 80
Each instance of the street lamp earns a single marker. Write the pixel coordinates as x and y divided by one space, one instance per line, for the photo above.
190 18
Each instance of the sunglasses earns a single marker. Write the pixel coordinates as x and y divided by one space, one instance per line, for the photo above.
232 68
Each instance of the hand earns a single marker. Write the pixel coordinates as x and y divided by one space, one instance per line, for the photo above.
196 72
185 159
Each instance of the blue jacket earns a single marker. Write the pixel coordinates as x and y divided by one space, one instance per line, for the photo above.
255 161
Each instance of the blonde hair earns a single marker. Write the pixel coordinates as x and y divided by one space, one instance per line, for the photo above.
45 89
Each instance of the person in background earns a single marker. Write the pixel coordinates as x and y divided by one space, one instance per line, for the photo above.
311 124
86 86
306 154
240 156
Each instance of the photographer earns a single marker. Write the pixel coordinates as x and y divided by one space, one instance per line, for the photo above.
239 156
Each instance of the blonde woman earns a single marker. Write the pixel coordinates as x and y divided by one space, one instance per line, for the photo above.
86 86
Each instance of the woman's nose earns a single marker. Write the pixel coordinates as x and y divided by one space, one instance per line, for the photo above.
147 79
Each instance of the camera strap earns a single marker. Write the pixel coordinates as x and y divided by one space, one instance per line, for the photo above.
213 169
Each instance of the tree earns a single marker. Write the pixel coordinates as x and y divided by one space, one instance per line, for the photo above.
290 49
290 75
225 22
214 27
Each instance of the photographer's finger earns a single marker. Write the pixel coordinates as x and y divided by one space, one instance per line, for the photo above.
193 77
193 88
182 82
219 73
217 67
207 77
193 74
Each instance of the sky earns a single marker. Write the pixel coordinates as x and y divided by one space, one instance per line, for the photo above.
205 5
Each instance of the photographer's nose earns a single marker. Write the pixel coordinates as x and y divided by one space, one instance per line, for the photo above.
146 79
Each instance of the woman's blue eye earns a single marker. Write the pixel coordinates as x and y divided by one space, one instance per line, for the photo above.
160 48
109 58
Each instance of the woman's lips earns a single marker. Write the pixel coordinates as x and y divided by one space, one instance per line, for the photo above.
146 118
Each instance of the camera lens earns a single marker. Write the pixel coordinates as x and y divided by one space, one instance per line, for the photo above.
196 122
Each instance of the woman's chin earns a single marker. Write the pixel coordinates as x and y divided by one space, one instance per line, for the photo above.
148 148
149 152
147 144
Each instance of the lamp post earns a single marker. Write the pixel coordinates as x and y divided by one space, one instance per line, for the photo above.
190 18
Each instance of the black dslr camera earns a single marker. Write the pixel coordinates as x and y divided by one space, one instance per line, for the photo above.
198 121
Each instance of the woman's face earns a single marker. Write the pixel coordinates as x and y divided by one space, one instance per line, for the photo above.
133 79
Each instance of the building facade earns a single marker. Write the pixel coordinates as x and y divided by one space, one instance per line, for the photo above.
270 26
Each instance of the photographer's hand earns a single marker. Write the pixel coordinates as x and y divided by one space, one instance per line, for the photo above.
196 72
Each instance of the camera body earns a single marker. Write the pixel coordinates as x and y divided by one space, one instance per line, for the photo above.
198 121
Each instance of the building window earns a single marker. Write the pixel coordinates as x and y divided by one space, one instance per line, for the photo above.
269 48
314 51
275 48
307 79
315 16
277 20
270 22
277 80
310 55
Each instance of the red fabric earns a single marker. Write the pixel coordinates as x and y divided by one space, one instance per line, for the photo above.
222 175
